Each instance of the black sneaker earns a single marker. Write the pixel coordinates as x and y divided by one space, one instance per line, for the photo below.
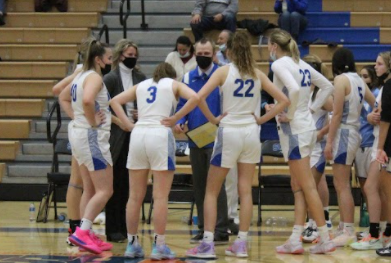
221 239
197 238
233 228
385 252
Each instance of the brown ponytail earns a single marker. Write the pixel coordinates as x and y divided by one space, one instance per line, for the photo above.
94 49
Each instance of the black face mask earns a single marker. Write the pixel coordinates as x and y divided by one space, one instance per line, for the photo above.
383 77
203 62
130 62
106 69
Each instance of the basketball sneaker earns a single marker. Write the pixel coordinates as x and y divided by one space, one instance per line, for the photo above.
367 243
204 250
323 247
291 247
386 252
100 219
344 239
311 235
104 246
162 252
69 243
134 251
238 249
82 238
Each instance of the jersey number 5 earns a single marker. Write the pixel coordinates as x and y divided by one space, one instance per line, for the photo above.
249 83
73 92
306 80
152 92
360 93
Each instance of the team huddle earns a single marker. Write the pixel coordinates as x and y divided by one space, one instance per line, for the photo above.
303 102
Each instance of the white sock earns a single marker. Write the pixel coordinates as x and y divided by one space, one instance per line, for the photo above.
383 225
296 232
311 222
132 239
242 235
159 239
323 233
349 227
208 237
85 224
326 208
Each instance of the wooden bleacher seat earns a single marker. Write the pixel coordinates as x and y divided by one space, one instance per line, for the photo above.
357 5
60 20
2 171
33 70
370 19
8 150
21 107
256 6
26 88
14 129
43 35
20 52
73 6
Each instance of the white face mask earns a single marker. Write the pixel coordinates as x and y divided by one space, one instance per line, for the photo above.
223 47
273 56
185 55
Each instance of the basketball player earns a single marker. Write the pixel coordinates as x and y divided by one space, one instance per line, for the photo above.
152 147
297 133
237 141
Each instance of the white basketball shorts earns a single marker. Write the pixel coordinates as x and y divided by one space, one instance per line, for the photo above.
346 143
297 146
317 159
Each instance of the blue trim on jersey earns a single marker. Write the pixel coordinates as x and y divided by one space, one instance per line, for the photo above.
345 112
321 163
320 123
294 149
171 151
97 157
341 156
218 150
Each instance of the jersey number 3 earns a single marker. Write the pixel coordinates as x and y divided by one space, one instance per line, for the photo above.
249 84
152 92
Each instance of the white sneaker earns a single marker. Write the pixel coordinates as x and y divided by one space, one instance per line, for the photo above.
386 241
367 243
323 247
311 235
291 247
344 239
100 219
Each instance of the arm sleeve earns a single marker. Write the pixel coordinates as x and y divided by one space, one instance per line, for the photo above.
278 7
325 86
199 7
232 8
290 83
300 5
385 114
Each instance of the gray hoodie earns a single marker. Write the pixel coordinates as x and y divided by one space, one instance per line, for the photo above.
214 7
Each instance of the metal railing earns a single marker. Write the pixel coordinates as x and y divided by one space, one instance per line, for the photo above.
104 29
143 25
123 18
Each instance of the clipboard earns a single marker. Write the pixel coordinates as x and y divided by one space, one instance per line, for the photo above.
203 134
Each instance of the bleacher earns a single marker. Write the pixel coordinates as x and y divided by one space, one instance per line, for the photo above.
37 49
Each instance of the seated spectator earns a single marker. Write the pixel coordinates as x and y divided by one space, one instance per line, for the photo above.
213 14
221 55
292 15
182 59
2 12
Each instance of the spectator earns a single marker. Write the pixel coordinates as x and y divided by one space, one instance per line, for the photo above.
124 75
292 15
2 12
200 158
221 56
182 59
213 14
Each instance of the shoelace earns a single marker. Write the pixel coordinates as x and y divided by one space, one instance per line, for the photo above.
95 238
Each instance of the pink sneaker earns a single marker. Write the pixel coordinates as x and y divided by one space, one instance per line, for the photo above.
291 247
104 246
238 249
81 238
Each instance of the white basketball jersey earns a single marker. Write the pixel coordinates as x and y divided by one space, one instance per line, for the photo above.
155 101
353 101
240 98
304 75
376 128
101 102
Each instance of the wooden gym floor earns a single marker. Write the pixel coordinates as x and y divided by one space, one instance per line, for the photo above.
22 241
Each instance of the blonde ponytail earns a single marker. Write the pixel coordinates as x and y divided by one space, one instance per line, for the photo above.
286 43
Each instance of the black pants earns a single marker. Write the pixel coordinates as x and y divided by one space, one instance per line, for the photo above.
116 206
200 159
207 23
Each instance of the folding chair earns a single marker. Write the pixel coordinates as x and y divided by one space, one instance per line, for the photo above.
182 183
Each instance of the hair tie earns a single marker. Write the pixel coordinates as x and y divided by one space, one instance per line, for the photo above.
346 67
